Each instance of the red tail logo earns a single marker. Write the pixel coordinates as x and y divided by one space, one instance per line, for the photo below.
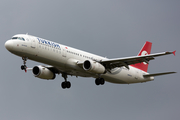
146 49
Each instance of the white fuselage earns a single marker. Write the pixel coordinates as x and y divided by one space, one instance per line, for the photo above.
65 58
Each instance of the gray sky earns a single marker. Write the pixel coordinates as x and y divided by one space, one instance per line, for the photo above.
111 28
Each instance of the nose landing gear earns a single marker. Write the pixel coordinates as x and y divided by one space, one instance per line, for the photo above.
24 67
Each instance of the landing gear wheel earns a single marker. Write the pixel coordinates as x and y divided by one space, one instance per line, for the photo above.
102 81
65 84
68 84
23 67
99 81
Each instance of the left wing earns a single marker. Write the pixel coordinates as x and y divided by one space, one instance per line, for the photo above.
119 62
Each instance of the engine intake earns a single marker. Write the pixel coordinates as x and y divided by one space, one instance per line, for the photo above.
93 67
43 73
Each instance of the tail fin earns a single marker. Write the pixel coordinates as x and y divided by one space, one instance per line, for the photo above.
146 49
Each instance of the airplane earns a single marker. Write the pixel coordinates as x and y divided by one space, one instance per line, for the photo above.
65 60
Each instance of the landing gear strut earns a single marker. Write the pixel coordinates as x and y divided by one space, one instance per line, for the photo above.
65 84
23 67
99 81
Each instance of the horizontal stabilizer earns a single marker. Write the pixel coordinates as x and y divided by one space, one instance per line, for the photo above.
158 74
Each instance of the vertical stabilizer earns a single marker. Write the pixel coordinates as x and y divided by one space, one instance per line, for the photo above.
146 49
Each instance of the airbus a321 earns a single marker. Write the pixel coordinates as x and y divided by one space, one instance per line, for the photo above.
65 60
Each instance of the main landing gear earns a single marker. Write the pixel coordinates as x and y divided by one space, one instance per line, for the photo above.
65 84
23 67
99 81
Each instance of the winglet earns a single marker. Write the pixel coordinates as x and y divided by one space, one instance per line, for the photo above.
174 52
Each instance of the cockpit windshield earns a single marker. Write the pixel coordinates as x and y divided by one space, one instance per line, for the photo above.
19 38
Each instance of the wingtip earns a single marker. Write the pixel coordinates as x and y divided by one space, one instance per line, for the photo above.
25 70
174 52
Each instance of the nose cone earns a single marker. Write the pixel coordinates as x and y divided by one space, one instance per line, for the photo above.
9 45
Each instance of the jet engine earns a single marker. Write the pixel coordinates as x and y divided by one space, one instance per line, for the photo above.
43 72
93 67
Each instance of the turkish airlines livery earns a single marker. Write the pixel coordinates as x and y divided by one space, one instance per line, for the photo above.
65 60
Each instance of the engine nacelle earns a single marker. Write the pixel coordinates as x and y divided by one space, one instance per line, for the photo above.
43 73
93 67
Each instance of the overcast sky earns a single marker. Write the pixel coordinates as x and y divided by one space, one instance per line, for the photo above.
111 28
